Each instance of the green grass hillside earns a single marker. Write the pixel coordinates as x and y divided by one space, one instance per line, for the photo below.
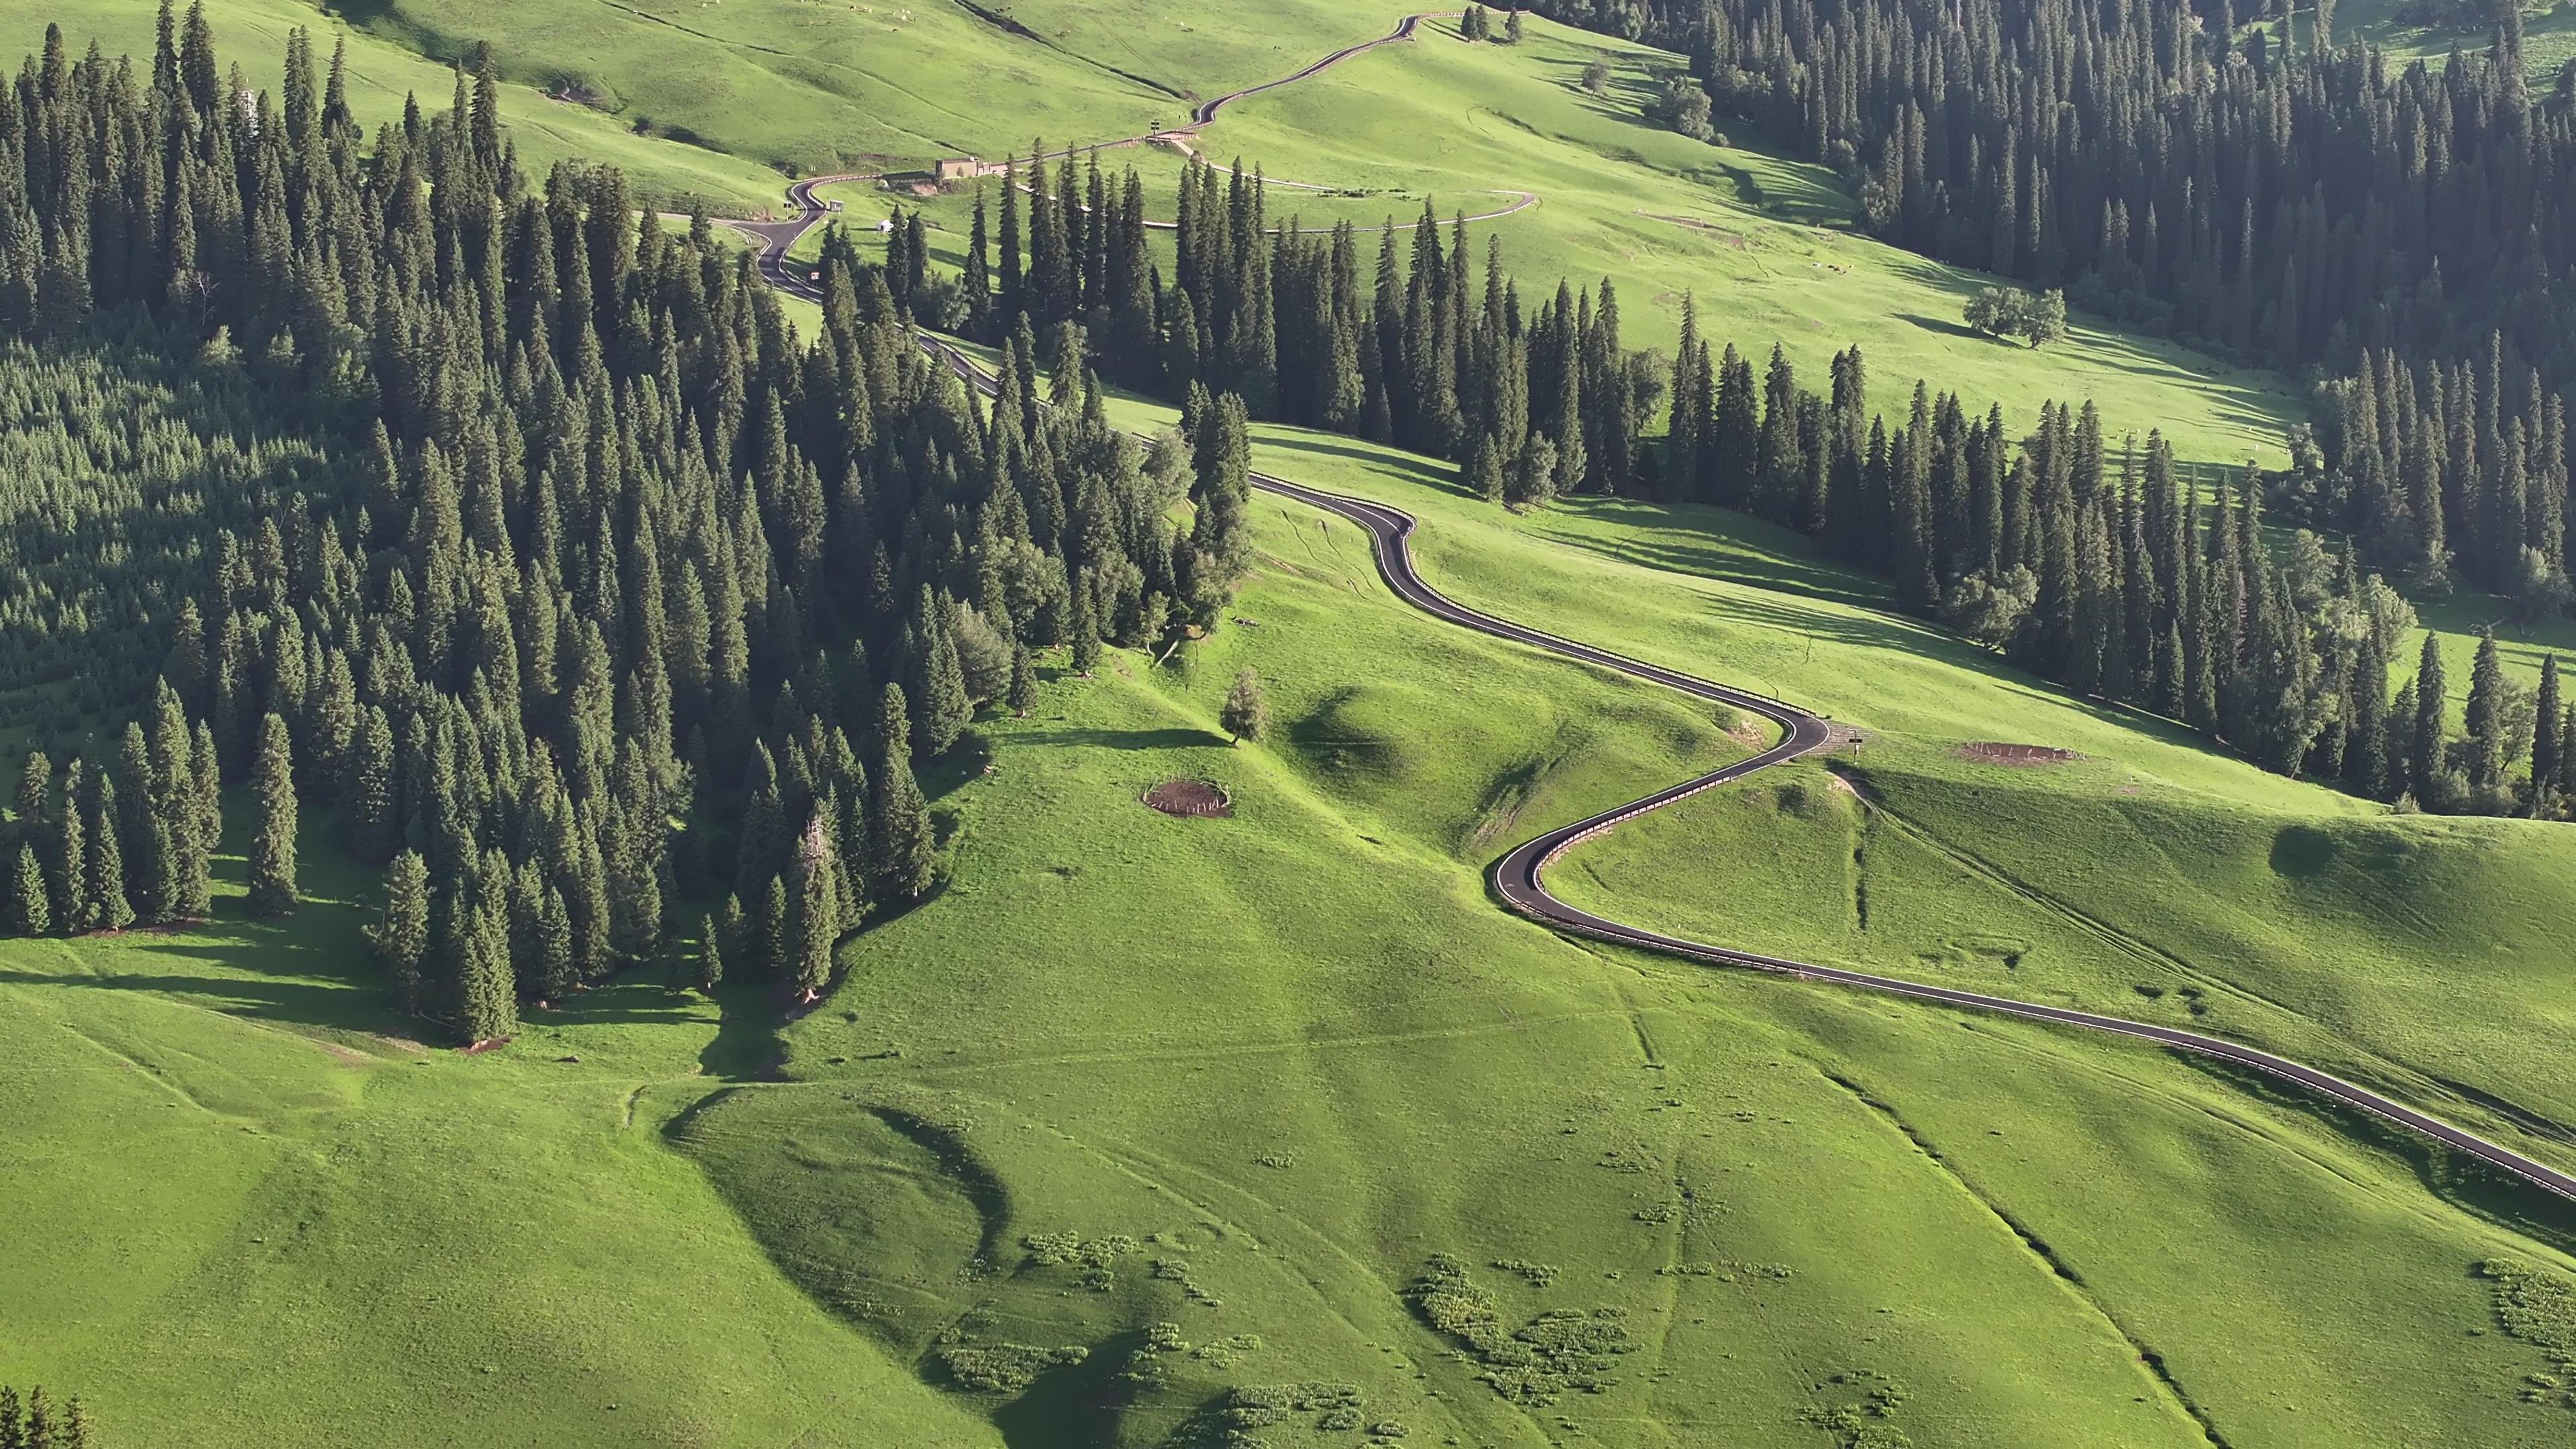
1258 1078
2170 880
251 1209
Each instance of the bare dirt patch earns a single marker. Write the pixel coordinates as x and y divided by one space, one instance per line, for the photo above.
1986 752
1190 799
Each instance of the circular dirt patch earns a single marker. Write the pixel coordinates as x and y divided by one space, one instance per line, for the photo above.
1987 753
1189 797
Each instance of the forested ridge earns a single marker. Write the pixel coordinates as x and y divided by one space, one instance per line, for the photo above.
2292 201
2112 576
2408 230
523 541
526 537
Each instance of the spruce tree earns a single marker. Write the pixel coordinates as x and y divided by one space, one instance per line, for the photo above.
401 933
813 916
30 911
2545 735
1083 634
899 833
35 787
272 850
710 957
2425 755
71 858
2484 756
109 909
941 707
487 999
1024 682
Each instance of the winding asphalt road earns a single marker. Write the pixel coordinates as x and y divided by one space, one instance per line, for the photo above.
1520 876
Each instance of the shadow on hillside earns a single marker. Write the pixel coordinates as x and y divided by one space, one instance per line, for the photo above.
1744 551
2464 1182
1949 329
1162 739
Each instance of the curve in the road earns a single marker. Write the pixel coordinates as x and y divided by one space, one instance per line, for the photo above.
1520 876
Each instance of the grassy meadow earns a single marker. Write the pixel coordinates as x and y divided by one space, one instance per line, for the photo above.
1146 1131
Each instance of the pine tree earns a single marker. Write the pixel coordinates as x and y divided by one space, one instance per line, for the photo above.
2425 752
2485 753
30 910
1246 714
1512 27
35 786
272 851
813 917
899 832
1024 682
71 858
2545 735
710 957
401 934
942 707
1083 634
479 961
109 908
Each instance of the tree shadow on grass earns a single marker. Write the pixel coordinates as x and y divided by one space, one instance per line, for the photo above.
1160 739
2462 1181
1715 544
1947 328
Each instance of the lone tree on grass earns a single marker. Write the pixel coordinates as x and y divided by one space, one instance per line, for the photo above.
272 847
1246 715
1512 28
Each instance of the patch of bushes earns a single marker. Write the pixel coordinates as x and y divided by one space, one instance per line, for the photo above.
2539 1308
1003 1368
1097 1257
1564 1348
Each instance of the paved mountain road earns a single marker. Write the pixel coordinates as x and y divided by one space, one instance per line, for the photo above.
1520 876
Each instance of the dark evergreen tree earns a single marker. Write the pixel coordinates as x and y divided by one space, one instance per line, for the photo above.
272 848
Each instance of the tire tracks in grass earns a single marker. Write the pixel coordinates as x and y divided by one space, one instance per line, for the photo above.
1011 27
1222 1051
2069 1280
2083 921
1162 1177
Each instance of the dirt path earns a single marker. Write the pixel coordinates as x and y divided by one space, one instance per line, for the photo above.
777 238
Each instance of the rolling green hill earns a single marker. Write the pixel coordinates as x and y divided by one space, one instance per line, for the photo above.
1254 1077
1272 1128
